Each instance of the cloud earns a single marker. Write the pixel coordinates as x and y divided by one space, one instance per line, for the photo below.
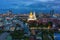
25 3
56 7
44 0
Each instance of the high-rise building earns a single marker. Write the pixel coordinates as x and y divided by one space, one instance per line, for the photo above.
51 12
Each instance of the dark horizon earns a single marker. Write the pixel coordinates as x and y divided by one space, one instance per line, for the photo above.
27 11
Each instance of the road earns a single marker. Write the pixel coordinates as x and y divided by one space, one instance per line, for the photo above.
3 36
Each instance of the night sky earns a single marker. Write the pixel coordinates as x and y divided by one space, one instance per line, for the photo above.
30 5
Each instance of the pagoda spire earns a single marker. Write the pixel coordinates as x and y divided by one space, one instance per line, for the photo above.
34 16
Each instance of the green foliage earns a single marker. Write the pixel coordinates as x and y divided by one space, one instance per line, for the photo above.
1 31
50 23
17 34
26 38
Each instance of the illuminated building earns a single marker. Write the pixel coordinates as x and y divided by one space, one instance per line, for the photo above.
32 16
32 20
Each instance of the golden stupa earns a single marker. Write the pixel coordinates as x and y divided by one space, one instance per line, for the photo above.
32 16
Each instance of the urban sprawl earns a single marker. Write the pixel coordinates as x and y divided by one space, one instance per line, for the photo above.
31 26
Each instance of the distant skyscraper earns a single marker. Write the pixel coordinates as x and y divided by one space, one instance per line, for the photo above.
9 12
51 12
